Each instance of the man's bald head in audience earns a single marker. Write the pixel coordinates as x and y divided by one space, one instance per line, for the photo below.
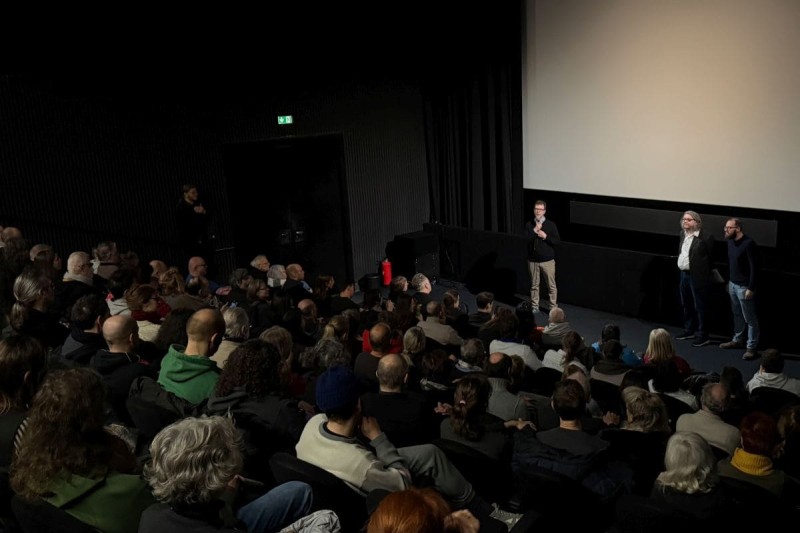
204 324
392 371
380 337
118 331
9 233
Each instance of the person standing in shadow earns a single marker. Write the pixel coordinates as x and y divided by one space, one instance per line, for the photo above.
193 220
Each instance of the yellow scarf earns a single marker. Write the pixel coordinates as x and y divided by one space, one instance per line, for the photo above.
750 463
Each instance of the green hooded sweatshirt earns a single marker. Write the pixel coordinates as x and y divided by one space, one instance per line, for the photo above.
191 378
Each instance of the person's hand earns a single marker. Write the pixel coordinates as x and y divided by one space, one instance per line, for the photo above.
233 484
199 209
389 305
370 427
443 409
520 424
611 419
748 294
462 521
306 407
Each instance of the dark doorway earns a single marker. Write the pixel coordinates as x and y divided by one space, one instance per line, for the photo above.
288 200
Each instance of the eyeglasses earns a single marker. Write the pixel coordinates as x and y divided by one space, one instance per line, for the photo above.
688 219
731 227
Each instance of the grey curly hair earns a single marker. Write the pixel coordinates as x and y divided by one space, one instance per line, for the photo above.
193 460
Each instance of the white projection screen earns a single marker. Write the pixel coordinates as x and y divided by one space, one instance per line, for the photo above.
677 100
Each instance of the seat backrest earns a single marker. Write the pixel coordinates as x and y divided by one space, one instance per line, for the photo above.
771 400
552 493
42 517
152 408
675 408
544 379
490 478
330 492
607 395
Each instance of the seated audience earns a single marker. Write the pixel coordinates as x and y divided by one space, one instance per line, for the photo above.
471 425
68 459
690 484
611 332
239 280
406 417
250 389
569 450
148 309
641 441
484 302
329 441
120 365
752 462
573 352
770 374
420 511
556 329
436 328
22 366
237 330
660 348
610 368
506 324
708 423
503 403
187 371
173 290
30 314
86 322
194 472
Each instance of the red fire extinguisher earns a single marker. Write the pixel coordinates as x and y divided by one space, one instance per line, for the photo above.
386 271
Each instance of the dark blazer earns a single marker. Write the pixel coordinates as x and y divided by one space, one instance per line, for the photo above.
701 262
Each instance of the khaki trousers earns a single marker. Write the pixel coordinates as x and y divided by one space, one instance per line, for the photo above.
546 270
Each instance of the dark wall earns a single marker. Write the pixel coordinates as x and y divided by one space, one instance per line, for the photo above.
86 158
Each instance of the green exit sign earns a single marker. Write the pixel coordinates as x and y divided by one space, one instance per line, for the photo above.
285 119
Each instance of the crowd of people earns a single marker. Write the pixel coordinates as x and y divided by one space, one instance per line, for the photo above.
139 396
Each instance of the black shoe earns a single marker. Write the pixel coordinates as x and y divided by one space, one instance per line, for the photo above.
685 336
751 355
701 342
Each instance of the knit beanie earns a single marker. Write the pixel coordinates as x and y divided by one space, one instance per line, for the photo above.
336 387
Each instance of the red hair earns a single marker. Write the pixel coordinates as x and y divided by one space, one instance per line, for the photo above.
410 511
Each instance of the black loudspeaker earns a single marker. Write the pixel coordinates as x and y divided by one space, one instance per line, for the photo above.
414 252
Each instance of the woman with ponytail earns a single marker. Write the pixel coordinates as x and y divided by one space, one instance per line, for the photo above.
33 296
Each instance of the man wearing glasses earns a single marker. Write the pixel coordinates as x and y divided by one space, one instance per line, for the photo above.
742 262
543 238
695 264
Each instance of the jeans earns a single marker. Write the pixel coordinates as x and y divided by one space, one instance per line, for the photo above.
744 315
278 508
695 304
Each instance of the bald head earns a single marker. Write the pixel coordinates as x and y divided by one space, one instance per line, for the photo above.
391 373
715 398
295 272
10 233
380 337
204 324
119 332
197 267
77 263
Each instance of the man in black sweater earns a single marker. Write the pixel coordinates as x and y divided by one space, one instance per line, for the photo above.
742 262
543 238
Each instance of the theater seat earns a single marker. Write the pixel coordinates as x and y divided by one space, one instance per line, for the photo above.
330 492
